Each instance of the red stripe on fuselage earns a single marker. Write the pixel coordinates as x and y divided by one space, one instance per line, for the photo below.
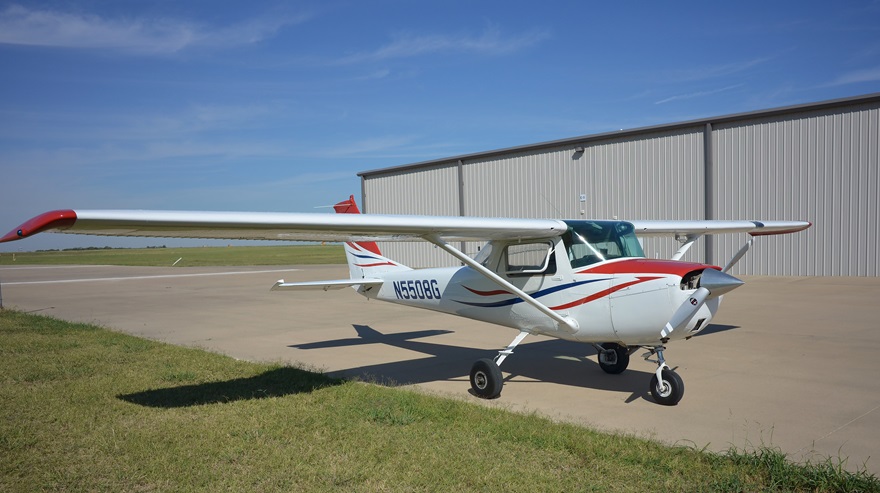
646 266
603 293
487 293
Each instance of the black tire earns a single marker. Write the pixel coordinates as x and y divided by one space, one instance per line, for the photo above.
486 379
620 362
670 390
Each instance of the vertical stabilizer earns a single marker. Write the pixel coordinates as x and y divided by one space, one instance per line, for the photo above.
364 258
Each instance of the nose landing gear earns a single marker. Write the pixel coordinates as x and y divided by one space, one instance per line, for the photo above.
667 388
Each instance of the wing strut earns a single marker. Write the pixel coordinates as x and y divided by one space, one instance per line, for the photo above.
742 251
686 242
567 324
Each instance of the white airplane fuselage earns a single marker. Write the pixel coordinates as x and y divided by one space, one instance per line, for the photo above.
625 300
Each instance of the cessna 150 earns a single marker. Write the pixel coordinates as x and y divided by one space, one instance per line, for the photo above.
578 280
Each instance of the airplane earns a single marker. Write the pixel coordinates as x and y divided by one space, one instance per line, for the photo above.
578 280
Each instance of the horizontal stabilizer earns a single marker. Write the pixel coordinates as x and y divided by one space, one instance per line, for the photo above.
324 285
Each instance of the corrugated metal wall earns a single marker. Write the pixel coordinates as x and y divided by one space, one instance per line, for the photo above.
431 191
817 162
818 166
654 176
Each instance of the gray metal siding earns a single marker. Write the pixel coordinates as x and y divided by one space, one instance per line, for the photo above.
815 162
429 191
657 176
821 167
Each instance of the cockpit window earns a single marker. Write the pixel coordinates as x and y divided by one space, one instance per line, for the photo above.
588 242
530 258
484 253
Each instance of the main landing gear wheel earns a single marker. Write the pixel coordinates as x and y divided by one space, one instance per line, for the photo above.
669 389
614 359
486 379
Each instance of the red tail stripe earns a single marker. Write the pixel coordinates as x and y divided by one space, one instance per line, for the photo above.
350 207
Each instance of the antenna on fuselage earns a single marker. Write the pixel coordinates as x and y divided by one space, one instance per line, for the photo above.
558 212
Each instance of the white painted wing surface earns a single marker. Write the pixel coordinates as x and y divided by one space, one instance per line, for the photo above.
347 227
754 228
284 226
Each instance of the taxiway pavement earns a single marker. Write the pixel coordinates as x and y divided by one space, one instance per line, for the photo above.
788 362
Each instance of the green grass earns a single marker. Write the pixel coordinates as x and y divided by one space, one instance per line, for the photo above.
87 409
197 256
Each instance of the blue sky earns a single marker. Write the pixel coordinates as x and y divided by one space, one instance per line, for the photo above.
275 106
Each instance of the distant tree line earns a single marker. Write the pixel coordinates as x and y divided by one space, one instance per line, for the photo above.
83 249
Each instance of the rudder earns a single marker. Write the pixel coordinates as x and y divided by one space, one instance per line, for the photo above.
364 258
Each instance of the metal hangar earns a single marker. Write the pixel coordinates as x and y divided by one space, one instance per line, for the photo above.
818 162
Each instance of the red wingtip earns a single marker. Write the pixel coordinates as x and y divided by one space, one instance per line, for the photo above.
61 219
787 231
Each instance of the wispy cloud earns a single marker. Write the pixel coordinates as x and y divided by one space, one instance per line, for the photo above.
109 126
707 72
121 158
697 94
858 76
369 147
24 26
490 42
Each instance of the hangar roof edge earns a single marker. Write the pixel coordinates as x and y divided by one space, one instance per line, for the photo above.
583 139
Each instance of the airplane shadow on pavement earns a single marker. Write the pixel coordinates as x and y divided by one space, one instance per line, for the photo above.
554 361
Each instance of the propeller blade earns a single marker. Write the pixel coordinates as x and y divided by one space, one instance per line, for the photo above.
685 311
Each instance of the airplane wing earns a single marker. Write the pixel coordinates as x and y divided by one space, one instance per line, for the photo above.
347 227
284 226
754 228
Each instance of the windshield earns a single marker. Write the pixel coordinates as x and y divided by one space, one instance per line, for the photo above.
588 242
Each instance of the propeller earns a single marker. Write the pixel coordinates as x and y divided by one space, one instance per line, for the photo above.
713 283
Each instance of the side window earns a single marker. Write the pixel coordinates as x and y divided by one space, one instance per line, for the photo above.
530 258
580 255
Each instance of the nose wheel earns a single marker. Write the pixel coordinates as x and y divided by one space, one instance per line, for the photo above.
667 388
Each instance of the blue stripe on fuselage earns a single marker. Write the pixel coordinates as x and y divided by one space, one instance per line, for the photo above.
537 294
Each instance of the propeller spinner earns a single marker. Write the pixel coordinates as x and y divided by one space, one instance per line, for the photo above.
713 283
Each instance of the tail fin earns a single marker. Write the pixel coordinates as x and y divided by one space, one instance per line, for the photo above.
364 258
